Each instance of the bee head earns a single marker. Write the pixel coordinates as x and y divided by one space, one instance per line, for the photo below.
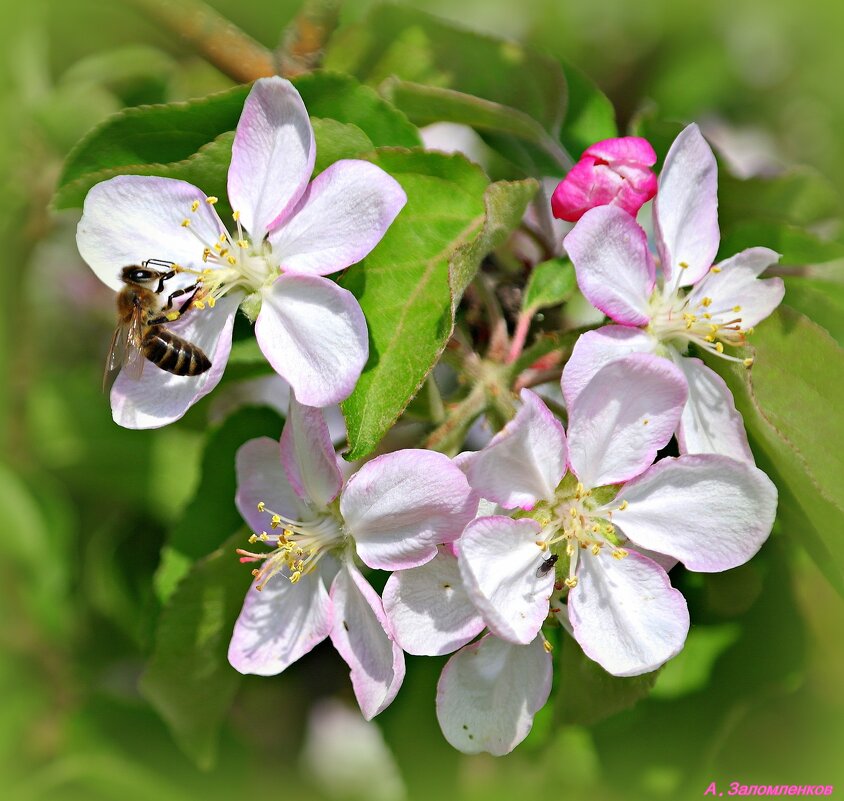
135 274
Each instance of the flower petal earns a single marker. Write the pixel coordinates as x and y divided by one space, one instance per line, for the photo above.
594 349
158 397
710 422
280 624
736 291
524 462
400 506
622 417
489 692
314 335
342 216
615 269
633 149
308 456
260 477
429 609
132 218
272 155
362 636
686 209
499 562
710 512
625 614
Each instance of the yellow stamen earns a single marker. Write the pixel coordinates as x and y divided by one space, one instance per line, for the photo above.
211 200
194 206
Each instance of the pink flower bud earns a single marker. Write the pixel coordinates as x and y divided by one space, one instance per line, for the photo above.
614 172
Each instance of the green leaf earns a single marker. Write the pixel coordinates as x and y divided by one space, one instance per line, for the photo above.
551 283
413 46
188 678
342 98
408 284
820 300
588 694
789 401
428 104
192 140
338 140
590 117
796 246
799 197
158 135
212 513
207 168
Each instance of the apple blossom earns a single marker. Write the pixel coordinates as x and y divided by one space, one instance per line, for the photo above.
289 233
614 172
392 514
708 511
693 303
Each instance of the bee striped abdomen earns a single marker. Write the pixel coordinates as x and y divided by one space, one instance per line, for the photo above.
174 354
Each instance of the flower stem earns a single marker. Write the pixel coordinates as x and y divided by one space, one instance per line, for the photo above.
221 42
519 335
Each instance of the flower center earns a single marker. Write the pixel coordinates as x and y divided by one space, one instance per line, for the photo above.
679 319
578 519
299 545
233 260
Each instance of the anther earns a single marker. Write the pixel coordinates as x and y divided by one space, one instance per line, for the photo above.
684 265
211 200
547 646
719 346
571 583
186 223
748 362
194 206
706 302
261 506
716 269
619 553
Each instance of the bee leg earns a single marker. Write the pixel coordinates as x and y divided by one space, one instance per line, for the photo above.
157 263
194 288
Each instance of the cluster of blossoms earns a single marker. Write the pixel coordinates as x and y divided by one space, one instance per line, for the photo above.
572 527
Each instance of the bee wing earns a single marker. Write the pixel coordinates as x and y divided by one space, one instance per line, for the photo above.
133 359
116 351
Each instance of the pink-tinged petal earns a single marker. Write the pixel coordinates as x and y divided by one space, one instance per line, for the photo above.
686 209
524 462
362 636
586 186
499 561
667 563
132 218
429 609
594 349
280 624
400 506
158 397
314 335
612 172
261 478
489 692
308 456
272 155
625 149
736 293
710 422
625 614
622 417
615 269
343 215
710 512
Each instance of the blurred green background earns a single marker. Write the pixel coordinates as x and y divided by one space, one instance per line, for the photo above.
757 697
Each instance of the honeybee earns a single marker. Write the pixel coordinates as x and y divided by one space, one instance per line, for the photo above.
546 565
140 332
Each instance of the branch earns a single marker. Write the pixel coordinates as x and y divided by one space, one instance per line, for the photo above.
221 42
304 39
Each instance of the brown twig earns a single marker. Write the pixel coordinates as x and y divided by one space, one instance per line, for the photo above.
221 42
304 39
